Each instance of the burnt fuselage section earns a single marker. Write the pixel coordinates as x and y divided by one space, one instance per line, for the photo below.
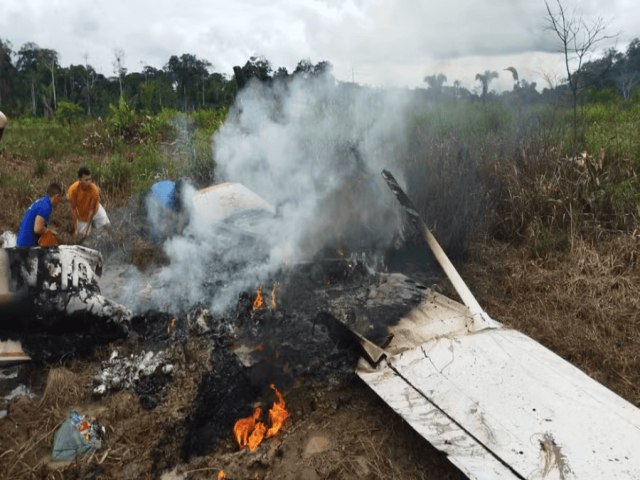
53 304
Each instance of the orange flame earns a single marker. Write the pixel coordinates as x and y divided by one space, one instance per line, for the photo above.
249 432
274 304
277 414
170 326
256 436
244 426
258 302
221 475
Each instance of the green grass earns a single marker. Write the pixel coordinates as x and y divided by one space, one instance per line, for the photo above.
42 139
509 167
613 129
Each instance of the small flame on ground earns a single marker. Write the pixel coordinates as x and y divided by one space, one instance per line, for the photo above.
256 436
170 326
244 426
249 432
221 475
274 304
258 302
277 414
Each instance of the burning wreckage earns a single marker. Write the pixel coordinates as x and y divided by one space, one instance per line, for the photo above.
497 403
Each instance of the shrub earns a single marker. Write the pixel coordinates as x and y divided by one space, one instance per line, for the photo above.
122 121
68 112
209 119
114 177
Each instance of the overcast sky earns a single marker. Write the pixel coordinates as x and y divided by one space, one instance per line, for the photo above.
373 42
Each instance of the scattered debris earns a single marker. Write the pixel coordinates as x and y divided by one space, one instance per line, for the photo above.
19 391
7 239
76 437
136 372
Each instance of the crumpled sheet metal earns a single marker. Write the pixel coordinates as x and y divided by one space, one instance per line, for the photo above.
222 200
61 280
499 404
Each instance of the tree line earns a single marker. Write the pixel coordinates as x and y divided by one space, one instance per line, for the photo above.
32 82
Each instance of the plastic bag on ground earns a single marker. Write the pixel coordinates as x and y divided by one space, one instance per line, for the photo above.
76 437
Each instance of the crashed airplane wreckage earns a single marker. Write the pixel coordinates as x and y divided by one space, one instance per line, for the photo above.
45 290
496 402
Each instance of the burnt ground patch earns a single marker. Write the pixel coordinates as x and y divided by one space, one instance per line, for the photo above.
54 337
224 395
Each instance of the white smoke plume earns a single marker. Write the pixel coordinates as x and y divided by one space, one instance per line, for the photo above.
314 150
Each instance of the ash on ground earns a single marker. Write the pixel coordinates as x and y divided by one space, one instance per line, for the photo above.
171 394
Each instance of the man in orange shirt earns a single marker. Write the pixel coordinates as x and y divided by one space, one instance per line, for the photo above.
86 211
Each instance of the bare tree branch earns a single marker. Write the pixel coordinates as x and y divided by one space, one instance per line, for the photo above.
577 38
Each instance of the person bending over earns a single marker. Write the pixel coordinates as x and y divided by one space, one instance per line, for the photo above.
34 223
165 211
86 210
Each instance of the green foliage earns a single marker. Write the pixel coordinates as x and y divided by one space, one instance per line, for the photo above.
97 138
201 164
466 120
498 161
42 139
209 119
518 162
192 148
68 112
125 124
613 130
115 176
603 96
149 164
166 116
122 121
553 196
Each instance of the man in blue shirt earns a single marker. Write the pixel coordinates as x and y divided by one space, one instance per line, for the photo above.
166 193
34 222
164 208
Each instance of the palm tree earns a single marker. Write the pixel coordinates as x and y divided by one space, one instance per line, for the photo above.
435 82
485 78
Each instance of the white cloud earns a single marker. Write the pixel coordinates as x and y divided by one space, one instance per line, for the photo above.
379 42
